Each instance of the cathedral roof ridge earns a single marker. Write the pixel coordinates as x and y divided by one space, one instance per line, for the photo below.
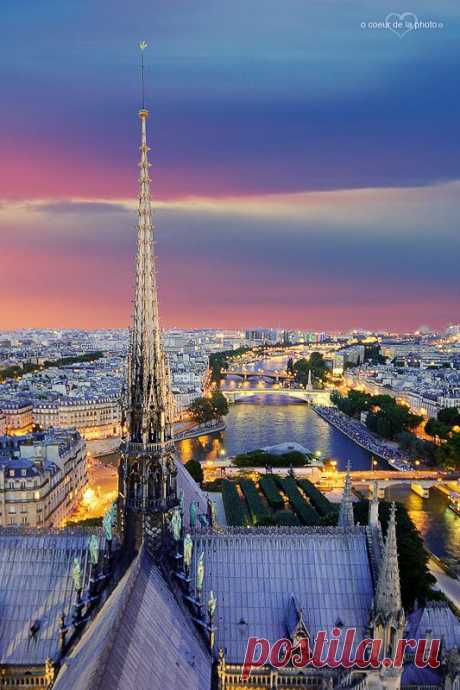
324 530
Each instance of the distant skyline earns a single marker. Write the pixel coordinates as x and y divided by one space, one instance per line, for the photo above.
305 172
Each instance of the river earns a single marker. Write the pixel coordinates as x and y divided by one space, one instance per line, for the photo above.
265 421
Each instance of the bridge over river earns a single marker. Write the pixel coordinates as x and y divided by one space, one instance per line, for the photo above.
253 374
376 481
313 397
420 481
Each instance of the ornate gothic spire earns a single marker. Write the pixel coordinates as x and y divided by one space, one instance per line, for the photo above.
388 592
346 518
149 401
147 472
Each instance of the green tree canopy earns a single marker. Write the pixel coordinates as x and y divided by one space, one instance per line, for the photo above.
201 410
194 468
219 404
435 428
416 580
449 453
449 416
315 363
206 409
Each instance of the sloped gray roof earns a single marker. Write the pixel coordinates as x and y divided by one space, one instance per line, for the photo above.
438 620
36 585
141 639
421 677
254 572
192 492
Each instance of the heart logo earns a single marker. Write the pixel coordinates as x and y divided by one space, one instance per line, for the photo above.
401 24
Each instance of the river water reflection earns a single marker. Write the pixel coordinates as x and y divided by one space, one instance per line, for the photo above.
266 421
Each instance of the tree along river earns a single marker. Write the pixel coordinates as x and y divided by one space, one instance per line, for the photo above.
266 421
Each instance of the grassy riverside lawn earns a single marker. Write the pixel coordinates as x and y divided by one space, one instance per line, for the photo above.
266 502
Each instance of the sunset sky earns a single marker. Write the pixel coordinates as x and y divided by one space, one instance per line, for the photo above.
305 170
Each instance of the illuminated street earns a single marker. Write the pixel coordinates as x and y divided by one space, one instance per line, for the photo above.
101 490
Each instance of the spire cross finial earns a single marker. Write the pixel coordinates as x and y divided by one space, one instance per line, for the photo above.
142 45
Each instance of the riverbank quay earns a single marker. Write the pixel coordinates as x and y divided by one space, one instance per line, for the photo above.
445 583
360 434
182 432
105 447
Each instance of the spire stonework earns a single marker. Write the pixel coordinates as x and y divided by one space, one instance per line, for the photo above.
147 473
388 592
388 617
149 418
346 517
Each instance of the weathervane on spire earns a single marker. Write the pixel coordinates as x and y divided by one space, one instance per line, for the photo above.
142 45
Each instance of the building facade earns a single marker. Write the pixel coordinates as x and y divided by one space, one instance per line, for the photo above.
18 416
42 476
94 418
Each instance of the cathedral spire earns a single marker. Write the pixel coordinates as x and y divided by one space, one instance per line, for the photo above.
147 472
149 409
346 518
388 592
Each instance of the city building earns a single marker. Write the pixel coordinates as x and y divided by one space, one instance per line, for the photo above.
262 336
94 418
424 390
87 395
42 476
186 593
18 416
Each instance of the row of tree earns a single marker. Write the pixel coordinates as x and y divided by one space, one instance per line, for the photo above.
416 580
384 416
221 360
445 430
15 370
